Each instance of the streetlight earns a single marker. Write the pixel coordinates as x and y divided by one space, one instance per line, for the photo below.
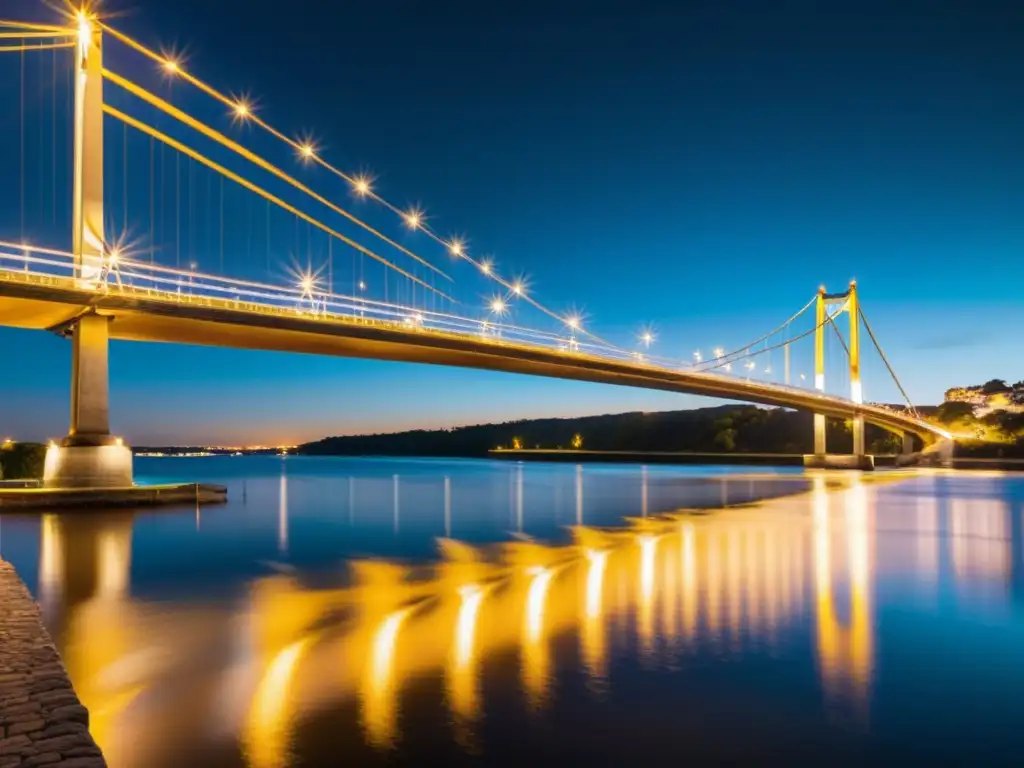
361 185
413 218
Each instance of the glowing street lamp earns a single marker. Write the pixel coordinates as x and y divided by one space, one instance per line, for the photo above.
719 352
306 151
498 306
518 288
698 357
361 185
486 266
413 217
457 247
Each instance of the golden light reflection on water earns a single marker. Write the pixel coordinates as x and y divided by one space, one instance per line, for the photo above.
731 581
378 694
266 739
592 631
535 659
463 695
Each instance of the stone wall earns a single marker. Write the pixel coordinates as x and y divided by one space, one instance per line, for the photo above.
42 721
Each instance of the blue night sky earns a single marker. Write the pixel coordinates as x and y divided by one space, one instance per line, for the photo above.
702 166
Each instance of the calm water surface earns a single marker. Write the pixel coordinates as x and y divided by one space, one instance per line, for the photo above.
358 612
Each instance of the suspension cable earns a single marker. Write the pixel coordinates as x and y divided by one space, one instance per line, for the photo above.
839 334
252 157
188 152
515 287
790 341
730 357
871 335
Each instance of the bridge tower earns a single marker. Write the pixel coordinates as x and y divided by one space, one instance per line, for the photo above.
821 458
89 456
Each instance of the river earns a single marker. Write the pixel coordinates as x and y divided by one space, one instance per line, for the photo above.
413 611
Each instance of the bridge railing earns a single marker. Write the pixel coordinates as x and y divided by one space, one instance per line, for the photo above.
180 287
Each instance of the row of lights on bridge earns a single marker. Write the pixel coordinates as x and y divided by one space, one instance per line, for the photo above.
414 218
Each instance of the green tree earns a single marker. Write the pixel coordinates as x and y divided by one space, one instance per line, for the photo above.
726 439
22 461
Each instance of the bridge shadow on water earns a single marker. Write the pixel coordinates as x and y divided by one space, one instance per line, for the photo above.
788 626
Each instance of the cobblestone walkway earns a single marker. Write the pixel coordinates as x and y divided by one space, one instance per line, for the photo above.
41 720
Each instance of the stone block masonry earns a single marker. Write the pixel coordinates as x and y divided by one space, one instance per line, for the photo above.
42 722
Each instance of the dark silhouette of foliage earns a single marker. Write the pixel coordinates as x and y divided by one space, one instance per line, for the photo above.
22 461
726 428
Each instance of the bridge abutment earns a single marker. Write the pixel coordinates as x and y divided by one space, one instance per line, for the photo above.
89 457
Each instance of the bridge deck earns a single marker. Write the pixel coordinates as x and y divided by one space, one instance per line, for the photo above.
45 302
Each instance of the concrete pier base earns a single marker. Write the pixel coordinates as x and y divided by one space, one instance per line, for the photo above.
88 466
863 462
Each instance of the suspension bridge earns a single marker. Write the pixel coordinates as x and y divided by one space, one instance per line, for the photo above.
149 189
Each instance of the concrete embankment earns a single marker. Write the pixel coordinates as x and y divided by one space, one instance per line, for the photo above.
134 496
664 457
42 722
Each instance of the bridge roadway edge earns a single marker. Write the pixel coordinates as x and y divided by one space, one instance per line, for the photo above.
142 317
42 722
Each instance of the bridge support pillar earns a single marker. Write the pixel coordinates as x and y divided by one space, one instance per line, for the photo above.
89 457
820 445
908 443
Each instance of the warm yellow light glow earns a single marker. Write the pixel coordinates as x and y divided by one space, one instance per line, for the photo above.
242 109
592 636
265 741
413 217
84 30
114 256
535 652
119 441
379 700
457 247
462 685
307 151
362 185
171 66
308 284
645 617
573 322
719 351
486 266
517 288
498 306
